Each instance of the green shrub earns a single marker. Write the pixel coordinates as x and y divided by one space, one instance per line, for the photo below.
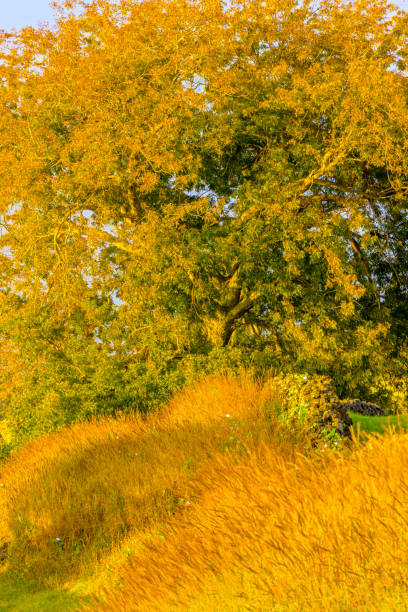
308 404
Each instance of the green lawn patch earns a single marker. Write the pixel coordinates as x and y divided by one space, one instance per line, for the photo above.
19 597
378 424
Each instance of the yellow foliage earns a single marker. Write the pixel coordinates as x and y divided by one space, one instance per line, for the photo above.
396 390
5 434
129 116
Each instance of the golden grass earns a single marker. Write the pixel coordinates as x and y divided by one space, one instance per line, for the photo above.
208 506
272 534
70 498
215 396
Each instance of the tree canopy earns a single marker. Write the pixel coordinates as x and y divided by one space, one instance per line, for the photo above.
190 184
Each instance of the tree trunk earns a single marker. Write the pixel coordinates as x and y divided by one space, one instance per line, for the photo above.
230 308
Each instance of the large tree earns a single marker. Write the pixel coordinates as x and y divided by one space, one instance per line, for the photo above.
189 180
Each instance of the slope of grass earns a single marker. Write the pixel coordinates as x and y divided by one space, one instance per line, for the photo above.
205 506
317 533
69 499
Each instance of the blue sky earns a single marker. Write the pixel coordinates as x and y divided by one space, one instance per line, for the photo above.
18 13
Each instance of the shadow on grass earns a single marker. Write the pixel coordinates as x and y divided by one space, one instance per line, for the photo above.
20 597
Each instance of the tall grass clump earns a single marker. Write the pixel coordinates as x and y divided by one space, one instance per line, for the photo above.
321 532
69 498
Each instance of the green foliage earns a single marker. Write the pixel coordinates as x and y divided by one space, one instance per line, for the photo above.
307 404
235 198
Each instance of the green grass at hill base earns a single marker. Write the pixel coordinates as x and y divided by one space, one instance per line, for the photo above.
378 424
20 597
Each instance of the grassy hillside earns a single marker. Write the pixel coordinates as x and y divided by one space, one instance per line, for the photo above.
211 504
